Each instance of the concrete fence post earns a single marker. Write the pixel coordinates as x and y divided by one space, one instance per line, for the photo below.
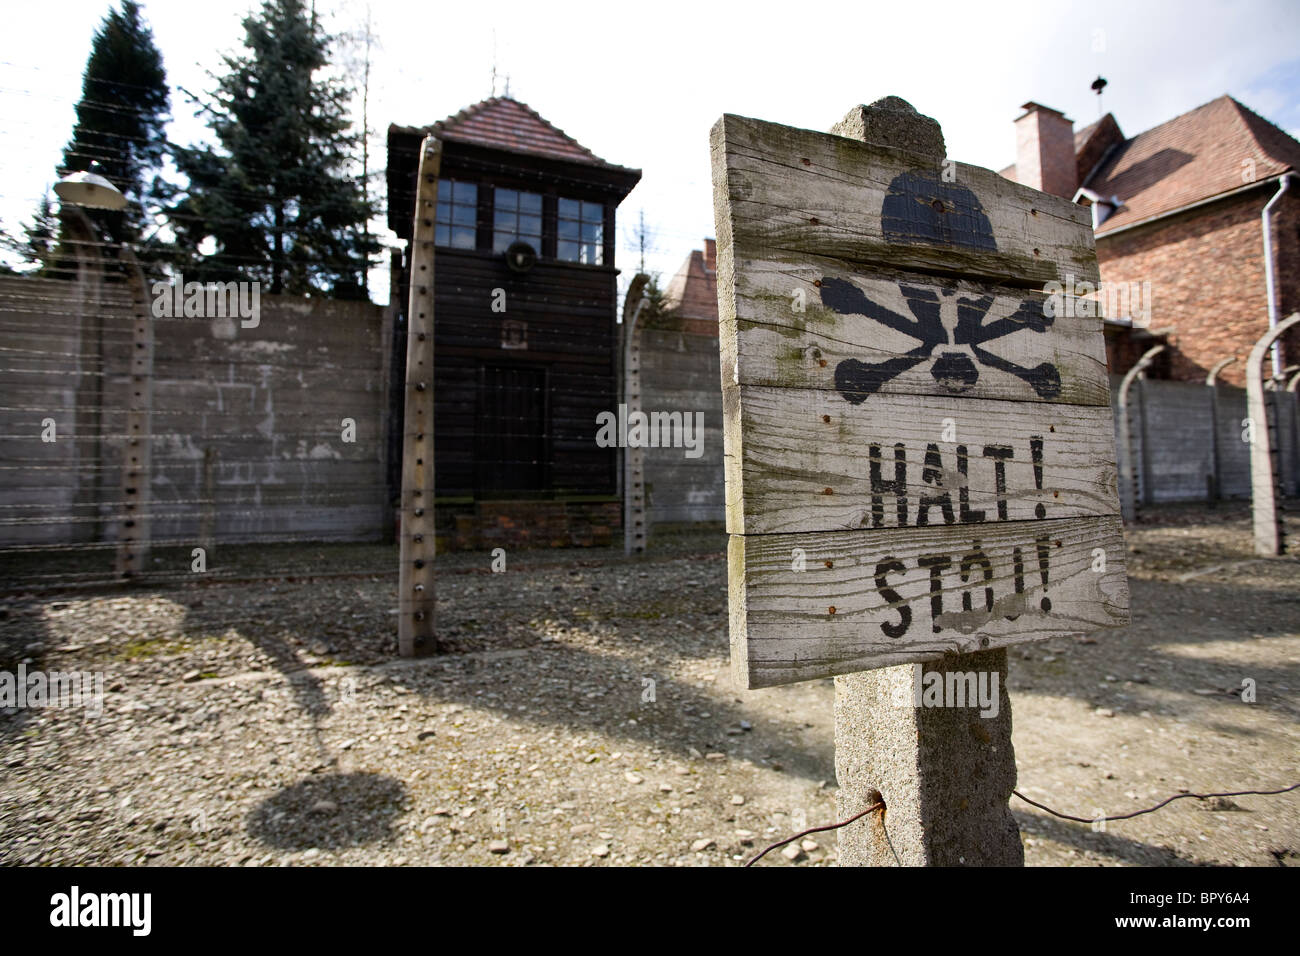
1265 507
634 505
1214 491
135 529
1129 499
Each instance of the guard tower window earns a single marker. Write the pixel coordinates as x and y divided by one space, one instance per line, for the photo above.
517 216
581 232
457 215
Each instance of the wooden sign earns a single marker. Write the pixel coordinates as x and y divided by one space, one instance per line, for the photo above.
920 454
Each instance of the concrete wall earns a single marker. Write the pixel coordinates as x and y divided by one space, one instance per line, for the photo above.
680 372
247 422
50 370
262 406
1173 448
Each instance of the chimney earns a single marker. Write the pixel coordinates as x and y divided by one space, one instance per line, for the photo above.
710 256
1045 150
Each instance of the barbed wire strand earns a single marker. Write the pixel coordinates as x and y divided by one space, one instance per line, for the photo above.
1162 803
880 805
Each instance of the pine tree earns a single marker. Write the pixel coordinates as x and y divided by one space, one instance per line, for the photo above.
277 197
37 246
122 118
658 313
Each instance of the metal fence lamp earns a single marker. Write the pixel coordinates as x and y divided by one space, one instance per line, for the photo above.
90 188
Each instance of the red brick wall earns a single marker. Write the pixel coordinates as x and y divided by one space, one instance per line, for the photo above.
1206 270
486 524
1286 239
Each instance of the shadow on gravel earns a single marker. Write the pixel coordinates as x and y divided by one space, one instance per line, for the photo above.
1081 837
330 812
24 638
572 688
1165 617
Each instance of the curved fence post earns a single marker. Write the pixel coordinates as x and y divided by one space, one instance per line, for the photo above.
1129 502
1267 514
1215 490
634 513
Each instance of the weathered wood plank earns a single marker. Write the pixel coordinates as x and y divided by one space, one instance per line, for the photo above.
812 194
870 599
807 460
802 321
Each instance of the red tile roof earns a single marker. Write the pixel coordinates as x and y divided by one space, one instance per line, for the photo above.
505 123
1190 158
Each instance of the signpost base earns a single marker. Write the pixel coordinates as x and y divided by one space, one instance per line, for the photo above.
944 773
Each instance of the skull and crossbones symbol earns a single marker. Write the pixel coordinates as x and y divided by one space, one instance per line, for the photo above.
921 208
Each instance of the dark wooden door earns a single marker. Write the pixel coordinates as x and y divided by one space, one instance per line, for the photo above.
511 435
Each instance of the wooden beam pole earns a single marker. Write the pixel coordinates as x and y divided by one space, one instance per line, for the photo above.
416 604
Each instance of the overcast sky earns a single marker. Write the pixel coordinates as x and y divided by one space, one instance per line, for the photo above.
641 84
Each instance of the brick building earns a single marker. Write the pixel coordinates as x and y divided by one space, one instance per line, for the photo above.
1179 207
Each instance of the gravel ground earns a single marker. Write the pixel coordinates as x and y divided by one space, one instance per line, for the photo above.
582 714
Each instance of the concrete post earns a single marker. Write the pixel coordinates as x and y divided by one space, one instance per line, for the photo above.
135 529
1129 501
1267 513
1215 491
634 508
944 773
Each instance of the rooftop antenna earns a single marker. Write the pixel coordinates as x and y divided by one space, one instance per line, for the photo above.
507 86
494 61
1098 85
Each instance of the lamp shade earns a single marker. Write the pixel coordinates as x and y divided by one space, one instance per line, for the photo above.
89 189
